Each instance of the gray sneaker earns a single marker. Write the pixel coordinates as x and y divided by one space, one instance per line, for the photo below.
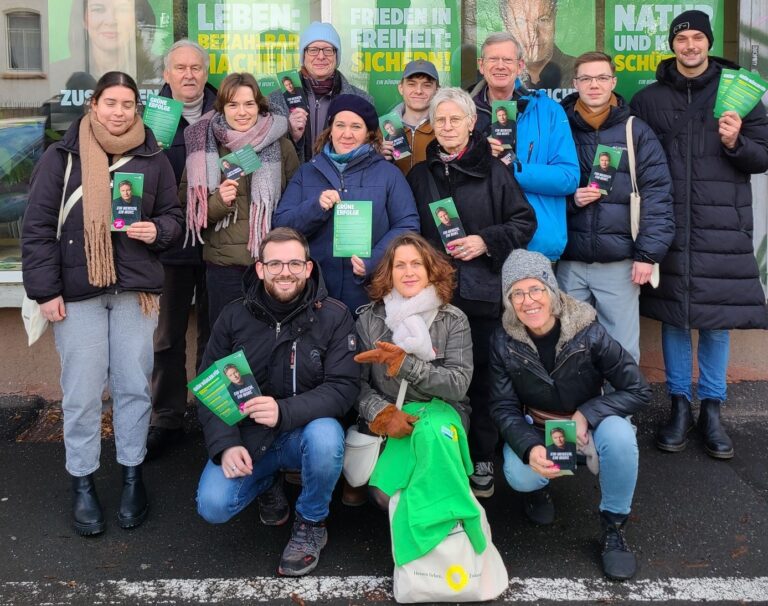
273 505
481 481
302 553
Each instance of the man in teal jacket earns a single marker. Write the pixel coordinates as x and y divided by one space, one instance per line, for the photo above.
544 162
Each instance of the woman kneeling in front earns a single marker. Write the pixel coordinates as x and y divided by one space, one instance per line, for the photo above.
549 360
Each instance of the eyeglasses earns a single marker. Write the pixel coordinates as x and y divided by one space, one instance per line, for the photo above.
503 60
295 266
454 121
314 51
602 79
535 293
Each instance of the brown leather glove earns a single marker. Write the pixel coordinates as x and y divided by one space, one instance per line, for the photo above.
385 353
393 423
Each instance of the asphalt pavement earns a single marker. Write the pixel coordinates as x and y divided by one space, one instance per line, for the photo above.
699 527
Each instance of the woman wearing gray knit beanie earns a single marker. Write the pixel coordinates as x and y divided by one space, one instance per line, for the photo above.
549 361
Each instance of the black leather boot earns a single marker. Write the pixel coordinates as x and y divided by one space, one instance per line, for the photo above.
86 509
133 504
717 444
619 562
673 437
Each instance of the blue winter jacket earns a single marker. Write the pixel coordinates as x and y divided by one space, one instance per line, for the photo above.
600 232
546 167
368 177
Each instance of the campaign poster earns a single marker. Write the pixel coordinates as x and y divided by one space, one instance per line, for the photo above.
261 38
379 38
552 35
637 37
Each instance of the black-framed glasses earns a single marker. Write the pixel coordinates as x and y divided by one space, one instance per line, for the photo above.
314 51
534 292
295 266
602 79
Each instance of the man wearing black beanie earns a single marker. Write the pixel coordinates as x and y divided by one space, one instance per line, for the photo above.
709 278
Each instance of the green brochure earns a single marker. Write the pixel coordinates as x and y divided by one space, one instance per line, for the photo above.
727 76
127 190
224 386
743 93
353 228
447 221
504 124
604 168
560 441
241 162
162 116
392 130
293 93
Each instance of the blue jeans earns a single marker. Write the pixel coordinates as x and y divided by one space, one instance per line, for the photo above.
712 356
105 340
317 449
616 446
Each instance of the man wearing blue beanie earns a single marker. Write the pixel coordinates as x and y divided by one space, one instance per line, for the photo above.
319 52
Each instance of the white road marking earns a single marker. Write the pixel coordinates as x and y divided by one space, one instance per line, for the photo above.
375 589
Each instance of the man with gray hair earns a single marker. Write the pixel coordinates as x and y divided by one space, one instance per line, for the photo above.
185 74
543 162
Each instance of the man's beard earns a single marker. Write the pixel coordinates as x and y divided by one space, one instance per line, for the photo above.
285 296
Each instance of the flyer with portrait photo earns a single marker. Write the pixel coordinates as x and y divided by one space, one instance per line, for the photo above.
293 93
353 228
127 190
392 130
224 386
241 162
504 122
560 442
447 221
604 168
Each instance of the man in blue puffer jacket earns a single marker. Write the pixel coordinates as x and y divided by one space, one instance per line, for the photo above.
545 164
601 263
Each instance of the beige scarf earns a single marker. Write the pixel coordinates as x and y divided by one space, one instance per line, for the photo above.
95 143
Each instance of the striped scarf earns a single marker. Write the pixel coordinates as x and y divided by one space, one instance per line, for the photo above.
204 175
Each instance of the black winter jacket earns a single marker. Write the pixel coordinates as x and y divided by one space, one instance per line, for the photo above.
600 232
490 204
586 356
52 268
709 278
177 154
323 381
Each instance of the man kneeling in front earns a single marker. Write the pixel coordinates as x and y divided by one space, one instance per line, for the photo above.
300 345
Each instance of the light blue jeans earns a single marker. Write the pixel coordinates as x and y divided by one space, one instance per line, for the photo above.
608 287
105 340
712 356
317 449
616 446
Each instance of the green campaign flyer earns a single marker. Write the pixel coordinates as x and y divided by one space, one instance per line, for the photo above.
447 221
224 386
293 93
392 130
353 228
162 116
604 168
127 190
560 442
241 162
739 91
504 125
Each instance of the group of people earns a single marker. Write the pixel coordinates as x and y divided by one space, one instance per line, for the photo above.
532 314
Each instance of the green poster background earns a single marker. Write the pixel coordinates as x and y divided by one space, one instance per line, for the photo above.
261 38
378 38
574 30
636 37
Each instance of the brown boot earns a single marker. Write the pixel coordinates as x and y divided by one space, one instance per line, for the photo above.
353 496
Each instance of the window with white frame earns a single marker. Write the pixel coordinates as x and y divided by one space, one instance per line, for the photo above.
25 51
